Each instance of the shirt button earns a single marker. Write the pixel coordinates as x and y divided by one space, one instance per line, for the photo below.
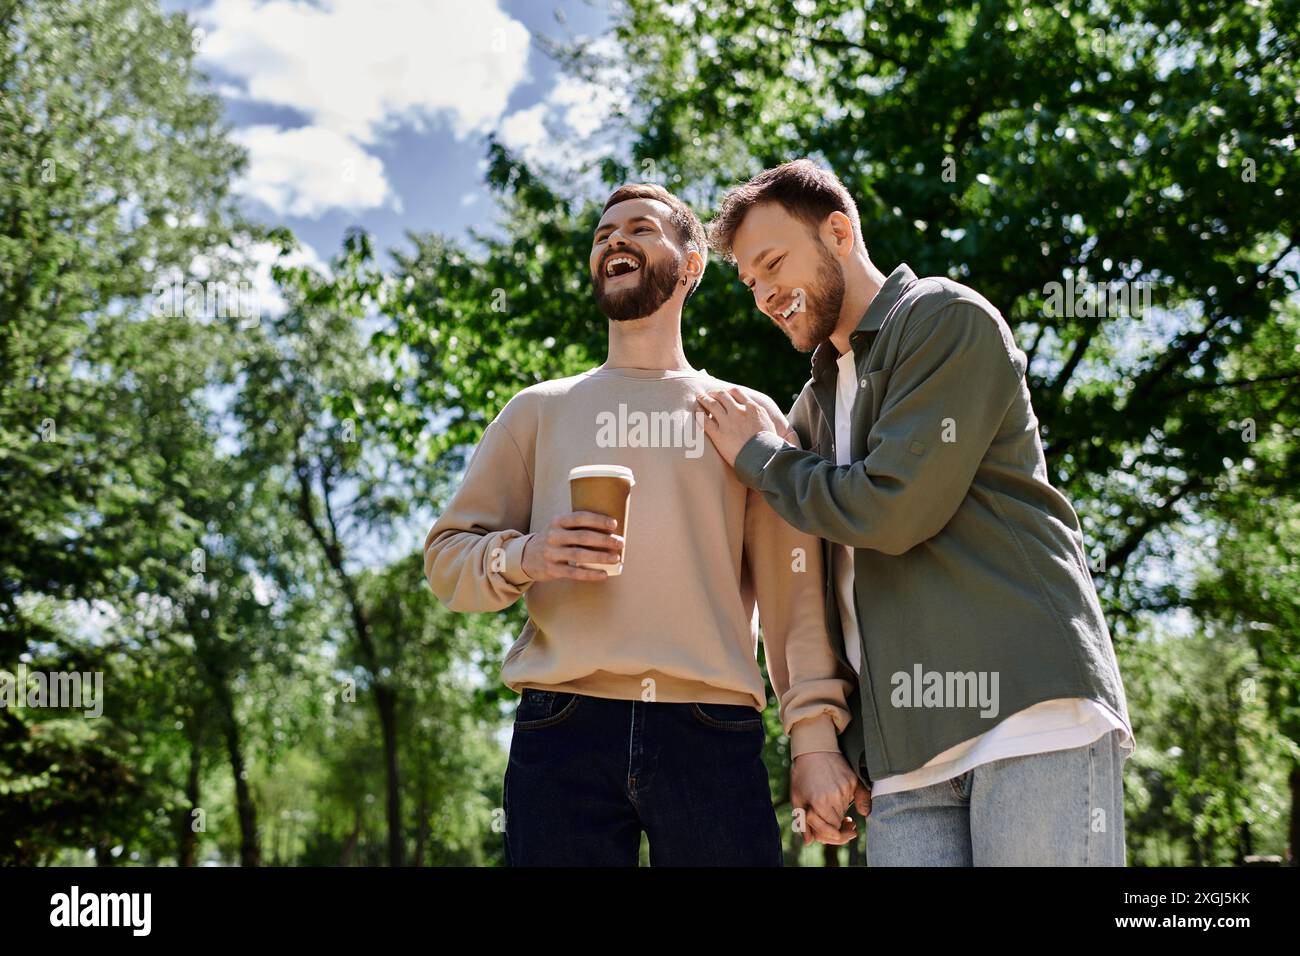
863 383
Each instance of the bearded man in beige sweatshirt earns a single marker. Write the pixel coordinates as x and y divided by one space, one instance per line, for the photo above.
641 694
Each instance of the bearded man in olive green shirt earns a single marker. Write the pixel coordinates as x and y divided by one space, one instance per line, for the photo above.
990 720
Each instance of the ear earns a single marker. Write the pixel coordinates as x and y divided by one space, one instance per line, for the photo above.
694 265
837 233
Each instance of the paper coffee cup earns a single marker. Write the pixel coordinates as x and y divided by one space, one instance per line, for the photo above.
606 490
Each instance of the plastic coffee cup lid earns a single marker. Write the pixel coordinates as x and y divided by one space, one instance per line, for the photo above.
602 471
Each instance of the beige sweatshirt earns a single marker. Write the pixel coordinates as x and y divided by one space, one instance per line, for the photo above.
703 553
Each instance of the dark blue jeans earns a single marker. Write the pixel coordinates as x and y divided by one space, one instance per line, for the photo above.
587 774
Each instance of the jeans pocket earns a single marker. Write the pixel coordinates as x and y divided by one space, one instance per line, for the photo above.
544 708
727 716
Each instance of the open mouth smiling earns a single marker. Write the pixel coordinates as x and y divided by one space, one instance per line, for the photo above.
621 264
796 305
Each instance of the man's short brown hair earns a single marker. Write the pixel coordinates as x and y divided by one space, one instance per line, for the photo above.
689 230
804 189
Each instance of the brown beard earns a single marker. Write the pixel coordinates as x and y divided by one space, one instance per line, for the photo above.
823 301
656 286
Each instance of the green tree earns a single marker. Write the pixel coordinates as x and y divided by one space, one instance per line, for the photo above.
114 169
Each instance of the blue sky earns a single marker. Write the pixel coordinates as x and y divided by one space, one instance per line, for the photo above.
376 112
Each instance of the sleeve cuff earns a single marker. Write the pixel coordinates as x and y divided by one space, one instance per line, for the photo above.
814 735
514 573
754 456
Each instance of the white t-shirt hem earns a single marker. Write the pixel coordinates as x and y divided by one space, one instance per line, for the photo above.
1033 730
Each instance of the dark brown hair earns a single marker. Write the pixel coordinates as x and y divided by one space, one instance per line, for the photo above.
683 218
801 187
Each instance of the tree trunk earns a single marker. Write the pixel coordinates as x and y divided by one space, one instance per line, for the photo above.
249 852
188 839
421 828
385 697
792 849
350 847
1294 840
386 701
855 848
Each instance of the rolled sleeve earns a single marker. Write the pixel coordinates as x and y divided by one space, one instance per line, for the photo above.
754 456
814 735
514 572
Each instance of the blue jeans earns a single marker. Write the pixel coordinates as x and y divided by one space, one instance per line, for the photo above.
1061 808
587 774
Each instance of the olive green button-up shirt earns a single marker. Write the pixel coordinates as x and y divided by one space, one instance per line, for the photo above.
972 591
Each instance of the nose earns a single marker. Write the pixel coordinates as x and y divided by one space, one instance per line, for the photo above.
766 297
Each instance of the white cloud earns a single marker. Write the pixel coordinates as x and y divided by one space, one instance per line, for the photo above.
261 256
360 66
525 130
356 70
310 170
256 294
564 130
586 106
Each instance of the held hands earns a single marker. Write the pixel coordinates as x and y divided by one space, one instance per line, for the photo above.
734 418
578 536
824 786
